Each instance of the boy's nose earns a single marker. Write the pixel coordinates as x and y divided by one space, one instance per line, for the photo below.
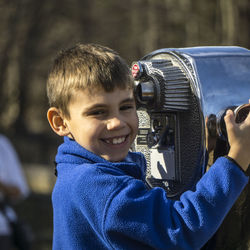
115 123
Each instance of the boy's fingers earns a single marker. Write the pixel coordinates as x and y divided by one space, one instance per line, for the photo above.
229 119
229 114
248 117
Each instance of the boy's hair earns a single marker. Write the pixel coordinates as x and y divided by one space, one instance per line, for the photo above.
86 66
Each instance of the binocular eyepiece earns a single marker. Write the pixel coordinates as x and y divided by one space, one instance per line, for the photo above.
145 92
153 92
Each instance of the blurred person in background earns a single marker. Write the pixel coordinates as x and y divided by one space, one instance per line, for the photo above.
13 188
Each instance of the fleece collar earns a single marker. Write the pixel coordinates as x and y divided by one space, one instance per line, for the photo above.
70 152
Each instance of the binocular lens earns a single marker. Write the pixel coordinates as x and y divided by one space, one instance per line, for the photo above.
241 113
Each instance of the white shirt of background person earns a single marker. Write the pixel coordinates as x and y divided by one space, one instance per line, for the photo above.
11 173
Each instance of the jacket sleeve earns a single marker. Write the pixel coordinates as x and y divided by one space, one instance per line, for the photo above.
137 218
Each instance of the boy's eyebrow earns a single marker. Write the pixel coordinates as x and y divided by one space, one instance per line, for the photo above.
94 106
130 99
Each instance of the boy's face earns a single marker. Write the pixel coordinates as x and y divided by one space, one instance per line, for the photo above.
104 123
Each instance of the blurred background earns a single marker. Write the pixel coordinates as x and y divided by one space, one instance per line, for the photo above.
31 34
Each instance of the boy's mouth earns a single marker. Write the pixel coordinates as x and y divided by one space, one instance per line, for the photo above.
115 140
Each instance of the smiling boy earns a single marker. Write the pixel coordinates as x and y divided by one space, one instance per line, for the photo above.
101 199
102 122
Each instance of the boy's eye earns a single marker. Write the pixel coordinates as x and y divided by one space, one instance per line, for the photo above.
97 113
127 107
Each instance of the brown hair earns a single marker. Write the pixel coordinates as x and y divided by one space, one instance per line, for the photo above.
85 66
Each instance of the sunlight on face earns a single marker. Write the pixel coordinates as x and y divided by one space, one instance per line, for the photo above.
104 123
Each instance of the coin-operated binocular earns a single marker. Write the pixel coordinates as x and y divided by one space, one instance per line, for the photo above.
176 89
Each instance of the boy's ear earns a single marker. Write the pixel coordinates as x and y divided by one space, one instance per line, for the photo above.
57 122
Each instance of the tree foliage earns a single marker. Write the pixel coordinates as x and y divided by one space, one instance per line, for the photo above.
33 31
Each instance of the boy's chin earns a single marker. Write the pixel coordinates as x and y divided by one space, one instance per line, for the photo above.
114 158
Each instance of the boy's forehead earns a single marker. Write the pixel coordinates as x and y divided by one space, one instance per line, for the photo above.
90 97
100 92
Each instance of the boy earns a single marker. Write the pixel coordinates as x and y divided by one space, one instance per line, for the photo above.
101 199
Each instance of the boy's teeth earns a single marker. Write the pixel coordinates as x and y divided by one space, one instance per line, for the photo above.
116 140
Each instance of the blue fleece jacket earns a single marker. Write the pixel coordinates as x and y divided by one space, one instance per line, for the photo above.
103 205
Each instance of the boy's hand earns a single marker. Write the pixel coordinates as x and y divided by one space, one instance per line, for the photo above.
239 139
